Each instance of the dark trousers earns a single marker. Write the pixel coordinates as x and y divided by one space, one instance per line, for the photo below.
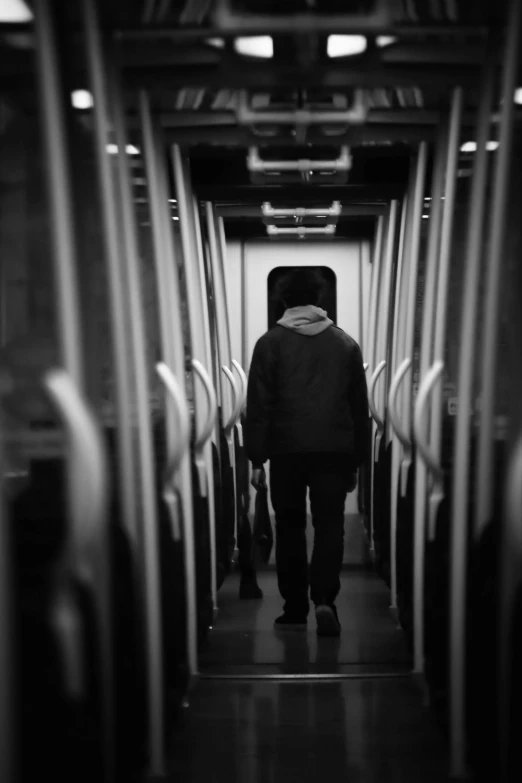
329 477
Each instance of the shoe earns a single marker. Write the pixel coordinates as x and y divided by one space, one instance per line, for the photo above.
291 622
327 620
250 591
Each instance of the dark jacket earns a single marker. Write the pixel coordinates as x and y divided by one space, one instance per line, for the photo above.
306 393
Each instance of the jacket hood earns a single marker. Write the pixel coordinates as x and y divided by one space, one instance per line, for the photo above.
305 319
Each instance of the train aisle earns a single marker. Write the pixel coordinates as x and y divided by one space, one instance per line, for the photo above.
364 730
244 637
256 716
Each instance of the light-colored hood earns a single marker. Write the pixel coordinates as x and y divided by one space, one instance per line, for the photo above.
305 319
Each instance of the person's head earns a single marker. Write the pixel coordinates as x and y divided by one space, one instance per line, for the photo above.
304 287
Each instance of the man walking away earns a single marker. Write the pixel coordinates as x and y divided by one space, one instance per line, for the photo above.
307 412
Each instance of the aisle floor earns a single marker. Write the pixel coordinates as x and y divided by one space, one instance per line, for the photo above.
244 638
368 726
346 731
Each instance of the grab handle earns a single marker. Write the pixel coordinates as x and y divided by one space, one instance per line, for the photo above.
178 398
244 383
206 430
419 418
180 447
392 403
89 466
236 407
89 496
375 377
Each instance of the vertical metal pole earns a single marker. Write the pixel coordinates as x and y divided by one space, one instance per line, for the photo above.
222 257
61 201
208 445
374 295
192 272
372 332
495 262
429 306
384 321
459 509
171 297
8 767
245 358
396 444
219 302
115 273
440 315
417 206
58 176
139 359
158 203
216 253
361 298
511 557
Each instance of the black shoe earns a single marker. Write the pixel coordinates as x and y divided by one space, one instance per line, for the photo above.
292 622
250 591
327 620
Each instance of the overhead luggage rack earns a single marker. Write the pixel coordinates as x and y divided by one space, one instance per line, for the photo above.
302 116
301 231
299 214
300 170
228 16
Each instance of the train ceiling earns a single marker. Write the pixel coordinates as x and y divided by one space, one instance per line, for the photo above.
293 80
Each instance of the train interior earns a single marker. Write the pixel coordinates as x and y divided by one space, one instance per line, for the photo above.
165 165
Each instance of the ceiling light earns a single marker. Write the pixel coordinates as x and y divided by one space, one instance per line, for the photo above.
255 46
217 43
471 146
130 149
518 95
425 216
175 218
82 99
345 45
173 201
385 40
15 11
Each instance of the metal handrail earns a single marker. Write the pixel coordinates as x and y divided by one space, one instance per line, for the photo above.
275 231
236 407
88 470
182 442
89 464
419 418
244 382
392 402
269 211
256 164
207 429
371 400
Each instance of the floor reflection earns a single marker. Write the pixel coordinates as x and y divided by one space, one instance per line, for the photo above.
244 633
362 731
